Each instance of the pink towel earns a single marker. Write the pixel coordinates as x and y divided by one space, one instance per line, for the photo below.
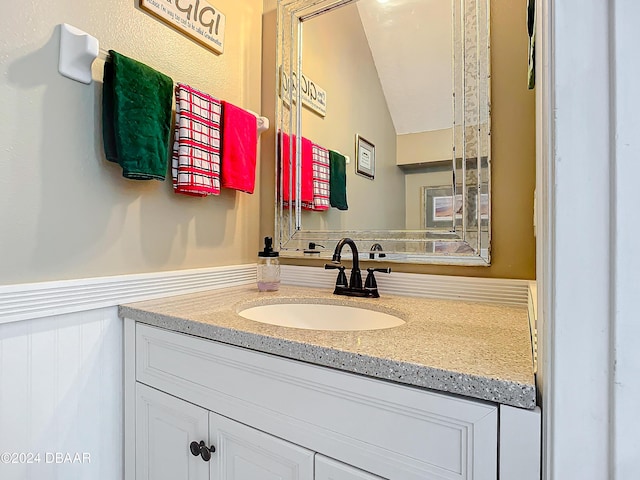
287 152
195 165
320 178
306 174
288 168
239 148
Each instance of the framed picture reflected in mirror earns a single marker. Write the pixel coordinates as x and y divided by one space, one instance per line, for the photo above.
365 158
439 207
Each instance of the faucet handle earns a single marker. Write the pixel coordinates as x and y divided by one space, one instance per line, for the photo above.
381 270
370 283
341 281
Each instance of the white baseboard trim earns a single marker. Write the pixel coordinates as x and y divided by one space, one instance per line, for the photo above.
36 300
472 289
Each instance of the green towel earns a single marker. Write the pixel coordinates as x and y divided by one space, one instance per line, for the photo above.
136 117
338 181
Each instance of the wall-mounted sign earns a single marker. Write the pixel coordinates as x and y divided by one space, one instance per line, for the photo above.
197 19
313 97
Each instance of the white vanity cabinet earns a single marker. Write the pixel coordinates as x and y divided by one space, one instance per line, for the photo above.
271 417
167 426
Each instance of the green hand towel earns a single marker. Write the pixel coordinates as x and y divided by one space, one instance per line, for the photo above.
338 181
136 117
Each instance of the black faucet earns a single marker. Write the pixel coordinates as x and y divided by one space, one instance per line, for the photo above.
354 288
355 280
376 247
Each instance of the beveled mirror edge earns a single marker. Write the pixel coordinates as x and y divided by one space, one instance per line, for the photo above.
291 245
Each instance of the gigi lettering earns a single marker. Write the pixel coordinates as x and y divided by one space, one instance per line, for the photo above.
206 16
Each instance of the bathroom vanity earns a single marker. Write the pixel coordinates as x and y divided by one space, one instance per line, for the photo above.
449 394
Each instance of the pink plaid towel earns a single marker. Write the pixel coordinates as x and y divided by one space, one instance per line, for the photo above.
195 165
320 178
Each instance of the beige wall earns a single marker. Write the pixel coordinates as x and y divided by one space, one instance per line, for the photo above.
513 150
268 138
423 147
68 213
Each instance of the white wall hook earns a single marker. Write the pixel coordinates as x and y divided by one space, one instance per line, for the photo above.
78 50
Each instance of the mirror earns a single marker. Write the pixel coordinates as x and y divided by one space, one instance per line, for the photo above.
383 118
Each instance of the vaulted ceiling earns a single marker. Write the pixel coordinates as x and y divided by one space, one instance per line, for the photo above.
410 41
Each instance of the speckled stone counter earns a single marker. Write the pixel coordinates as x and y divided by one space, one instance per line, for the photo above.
477 350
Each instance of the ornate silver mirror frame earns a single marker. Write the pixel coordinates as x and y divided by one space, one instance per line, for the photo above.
461 237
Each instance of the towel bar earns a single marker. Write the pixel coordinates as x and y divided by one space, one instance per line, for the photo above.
78 51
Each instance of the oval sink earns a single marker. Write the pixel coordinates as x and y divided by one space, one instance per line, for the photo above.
319 316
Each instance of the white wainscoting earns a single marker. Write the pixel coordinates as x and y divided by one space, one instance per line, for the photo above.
35 300
61 368
61 392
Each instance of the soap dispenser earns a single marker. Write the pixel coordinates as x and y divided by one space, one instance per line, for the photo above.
268 267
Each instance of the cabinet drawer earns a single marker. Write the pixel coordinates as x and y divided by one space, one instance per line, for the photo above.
391 430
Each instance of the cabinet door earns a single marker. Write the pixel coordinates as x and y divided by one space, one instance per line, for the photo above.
329 469
244 453
165 428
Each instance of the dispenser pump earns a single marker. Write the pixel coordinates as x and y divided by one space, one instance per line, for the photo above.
268 249
268 267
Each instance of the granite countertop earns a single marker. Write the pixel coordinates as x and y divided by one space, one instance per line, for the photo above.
477 350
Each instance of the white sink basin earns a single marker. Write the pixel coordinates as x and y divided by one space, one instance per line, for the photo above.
319 316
